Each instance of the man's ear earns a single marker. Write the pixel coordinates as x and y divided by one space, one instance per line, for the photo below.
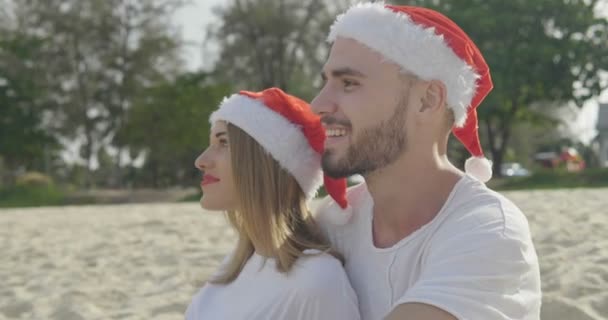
434 97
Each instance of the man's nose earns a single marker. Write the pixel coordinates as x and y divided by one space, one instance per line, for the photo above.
323 103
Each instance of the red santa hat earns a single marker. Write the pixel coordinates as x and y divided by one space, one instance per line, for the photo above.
291 133
431 46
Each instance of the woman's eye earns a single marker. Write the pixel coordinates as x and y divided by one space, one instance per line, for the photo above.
348 84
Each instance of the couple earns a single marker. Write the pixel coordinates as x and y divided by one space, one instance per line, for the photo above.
419 239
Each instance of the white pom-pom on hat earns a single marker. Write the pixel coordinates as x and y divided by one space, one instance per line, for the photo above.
479 168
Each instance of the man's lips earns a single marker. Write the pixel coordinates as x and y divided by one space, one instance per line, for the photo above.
331 132
335 135
208 179
335 129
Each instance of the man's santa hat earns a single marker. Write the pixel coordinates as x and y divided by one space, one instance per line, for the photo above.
292 134
431 46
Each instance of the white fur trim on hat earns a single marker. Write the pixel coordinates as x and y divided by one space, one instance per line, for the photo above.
281 138
417 49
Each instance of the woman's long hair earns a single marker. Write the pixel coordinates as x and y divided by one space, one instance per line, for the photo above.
272 215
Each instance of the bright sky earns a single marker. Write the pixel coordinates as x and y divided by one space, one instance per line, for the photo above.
194 18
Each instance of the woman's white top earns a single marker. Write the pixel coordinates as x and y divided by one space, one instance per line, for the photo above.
315 288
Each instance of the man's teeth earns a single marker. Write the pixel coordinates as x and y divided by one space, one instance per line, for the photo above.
335 132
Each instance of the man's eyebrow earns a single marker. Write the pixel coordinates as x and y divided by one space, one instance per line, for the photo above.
219 134
345 71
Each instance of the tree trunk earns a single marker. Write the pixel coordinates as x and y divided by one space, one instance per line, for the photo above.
88 149
499 133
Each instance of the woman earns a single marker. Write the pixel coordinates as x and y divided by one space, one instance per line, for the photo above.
261 167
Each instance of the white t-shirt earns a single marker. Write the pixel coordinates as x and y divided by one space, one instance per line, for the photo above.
316 288
475 259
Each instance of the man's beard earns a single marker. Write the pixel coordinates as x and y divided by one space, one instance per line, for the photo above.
373 148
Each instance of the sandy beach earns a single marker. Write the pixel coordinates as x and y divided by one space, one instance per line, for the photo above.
145 261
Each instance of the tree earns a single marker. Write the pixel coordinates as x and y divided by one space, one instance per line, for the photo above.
266 43
539 52
96 57
24 144
143 51
169 124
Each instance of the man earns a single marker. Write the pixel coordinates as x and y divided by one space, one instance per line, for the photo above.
421 239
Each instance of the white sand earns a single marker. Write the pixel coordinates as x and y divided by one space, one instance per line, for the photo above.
146 261
570 232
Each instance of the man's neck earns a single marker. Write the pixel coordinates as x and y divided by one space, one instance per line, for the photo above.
409 194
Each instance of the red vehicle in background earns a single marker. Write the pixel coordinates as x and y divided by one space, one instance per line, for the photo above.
568 159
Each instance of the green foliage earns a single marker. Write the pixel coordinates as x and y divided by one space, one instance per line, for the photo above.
34 179
96 58
23 141
32 189
192 197
170 123
266 43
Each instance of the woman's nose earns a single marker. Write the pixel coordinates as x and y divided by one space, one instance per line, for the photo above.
203 161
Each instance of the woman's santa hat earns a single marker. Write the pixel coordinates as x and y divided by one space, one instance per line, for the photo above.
431 46
292 134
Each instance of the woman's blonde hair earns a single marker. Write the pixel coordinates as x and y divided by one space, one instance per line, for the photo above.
272 215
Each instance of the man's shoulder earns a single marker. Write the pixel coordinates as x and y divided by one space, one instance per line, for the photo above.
473 201
473 210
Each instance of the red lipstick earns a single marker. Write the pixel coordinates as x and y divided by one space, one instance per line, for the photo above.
208 179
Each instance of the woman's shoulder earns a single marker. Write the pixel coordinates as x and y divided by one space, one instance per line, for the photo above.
316 270
314 259
322 284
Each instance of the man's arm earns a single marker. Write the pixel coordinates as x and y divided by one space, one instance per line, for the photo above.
418 311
